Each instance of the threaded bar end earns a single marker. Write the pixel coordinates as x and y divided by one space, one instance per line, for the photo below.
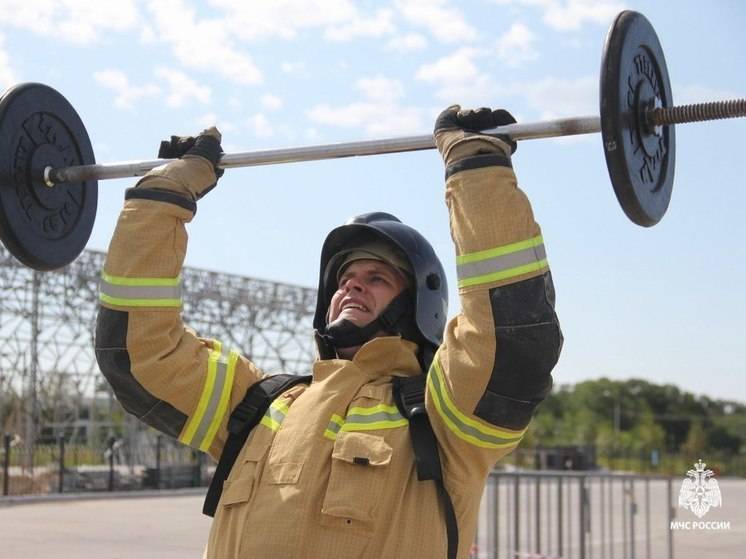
716 110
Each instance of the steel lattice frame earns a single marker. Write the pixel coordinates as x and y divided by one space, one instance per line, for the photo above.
47 324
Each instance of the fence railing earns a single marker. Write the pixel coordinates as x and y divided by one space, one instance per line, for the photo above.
584 515
524 514
66 468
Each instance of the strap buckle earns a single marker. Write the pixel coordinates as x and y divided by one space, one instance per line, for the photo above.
410 395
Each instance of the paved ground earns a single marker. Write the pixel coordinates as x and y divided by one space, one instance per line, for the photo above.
171 527
123 528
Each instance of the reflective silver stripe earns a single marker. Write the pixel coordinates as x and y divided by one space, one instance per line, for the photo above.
502 262
140 292
214 400
221 371
333 427
275 415
462 425
378 417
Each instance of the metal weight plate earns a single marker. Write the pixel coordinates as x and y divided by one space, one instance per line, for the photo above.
634 79
45 228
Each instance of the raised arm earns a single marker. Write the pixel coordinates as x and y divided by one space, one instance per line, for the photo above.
159 369
494 365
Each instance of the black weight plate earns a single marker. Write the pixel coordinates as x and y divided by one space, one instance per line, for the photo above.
634 78
45 228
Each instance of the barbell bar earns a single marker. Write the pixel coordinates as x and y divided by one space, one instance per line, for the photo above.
554 128
49 177
525 131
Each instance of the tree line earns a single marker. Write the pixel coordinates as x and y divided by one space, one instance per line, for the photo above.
636 417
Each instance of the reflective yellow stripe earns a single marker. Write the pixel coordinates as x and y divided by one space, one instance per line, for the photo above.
217 417
505 274
460 424
499 251
118 301
214 401
335 424
386 424
209 386
275 415
140 292
270 423
375 409
374 418
145 282
501 263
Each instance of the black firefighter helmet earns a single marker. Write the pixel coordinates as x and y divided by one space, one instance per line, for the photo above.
427 299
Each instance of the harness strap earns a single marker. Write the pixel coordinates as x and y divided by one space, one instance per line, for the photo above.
409 395
243 419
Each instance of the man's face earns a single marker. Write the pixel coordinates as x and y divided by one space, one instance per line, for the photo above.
366 287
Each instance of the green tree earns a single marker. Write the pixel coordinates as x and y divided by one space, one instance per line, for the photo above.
649 435
696 439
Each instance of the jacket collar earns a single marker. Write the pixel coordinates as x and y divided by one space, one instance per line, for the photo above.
376 358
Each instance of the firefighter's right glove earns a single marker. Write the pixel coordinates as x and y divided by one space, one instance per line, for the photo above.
195 172
458 133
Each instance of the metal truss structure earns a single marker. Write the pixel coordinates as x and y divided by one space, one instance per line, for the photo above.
47 327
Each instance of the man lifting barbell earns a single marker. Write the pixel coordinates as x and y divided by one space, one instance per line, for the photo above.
49 187
386 450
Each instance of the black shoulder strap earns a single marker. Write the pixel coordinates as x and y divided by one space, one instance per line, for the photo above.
244 418
409 395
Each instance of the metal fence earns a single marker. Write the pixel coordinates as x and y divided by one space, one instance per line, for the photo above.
72 468
523 514
584 515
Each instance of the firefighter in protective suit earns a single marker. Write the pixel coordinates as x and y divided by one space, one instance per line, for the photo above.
330 472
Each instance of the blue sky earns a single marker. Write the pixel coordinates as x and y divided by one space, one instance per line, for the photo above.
666 304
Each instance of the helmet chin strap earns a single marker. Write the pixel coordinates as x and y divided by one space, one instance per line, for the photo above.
343 333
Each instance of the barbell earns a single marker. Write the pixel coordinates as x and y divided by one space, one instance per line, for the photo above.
49 177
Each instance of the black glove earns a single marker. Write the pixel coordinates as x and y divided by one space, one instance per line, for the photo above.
455 128
193 170
205 145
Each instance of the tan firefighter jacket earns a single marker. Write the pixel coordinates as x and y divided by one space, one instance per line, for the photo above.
329 473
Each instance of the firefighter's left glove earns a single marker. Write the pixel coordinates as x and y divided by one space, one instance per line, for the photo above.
195 172
458 133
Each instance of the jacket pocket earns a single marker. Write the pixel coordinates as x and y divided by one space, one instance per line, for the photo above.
237 491
360 463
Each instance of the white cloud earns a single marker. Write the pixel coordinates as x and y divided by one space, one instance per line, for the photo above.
574 13
378 115
211 119
362 26
458 79
570 15
260 126
407 43
73 21
517 45
458 66
559 97
380 88
181 88
203 45
445 23
376 119
267 19
7 75
311 134
295 69
271 102
126 94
